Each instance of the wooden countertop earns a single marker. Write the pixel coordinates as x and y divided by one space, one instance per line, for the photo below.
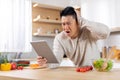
61 73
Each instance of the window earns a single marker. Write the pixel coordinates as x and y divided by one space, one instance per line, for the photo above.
104 11
15 25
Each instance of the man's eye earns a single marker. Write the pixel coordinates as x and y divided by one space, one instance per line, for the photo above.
63 24
68 23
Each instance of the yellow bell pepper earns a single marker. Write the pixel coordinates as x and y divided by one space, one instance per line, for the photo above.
5 67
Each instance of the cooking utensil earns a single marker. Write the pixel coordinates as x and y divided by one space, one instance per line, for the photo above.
109 54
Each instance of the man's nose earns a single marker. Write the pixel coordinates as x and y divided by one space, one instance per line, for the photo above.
66 27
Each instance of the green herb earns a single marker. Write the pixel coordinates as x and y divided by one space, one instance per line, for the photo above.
99 62
24 65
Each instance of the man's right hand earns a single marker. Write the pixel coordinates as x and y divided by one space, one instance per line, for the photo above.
41 60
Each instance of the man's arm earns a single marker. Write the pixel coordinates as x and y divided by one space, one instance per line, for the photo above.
97 30
58 49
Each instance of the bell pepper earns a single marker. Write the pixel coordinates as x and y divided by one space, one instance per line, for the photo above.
5 66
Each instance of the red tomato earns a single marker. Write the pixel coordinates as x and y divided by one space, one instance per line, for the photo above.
87 68
77 69
80 69
91 68
20 67
13 66
84 68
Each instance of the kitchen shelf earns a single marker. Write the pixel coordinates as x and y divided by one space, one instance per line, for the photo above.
47 6
44 35
47 21
46 18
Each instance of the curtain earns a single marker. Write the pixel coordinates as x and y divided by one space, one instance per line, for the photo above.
15 25
105 11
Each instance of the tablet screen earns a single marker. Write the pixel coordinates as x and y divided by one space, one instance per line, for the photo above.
42 49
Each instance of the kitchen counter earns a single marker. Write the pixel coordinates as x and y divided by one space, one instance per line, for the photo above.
60 73
115 29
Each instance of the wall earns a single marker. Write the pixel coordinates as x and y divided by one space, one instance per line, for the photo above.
114 39
60 3
104 11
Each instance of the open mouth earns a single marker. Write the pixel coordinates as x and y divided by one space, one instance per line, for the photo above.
67 31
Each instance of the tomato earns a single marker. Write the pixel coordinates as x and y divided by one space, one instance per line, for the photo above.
13 66
20 68
91 68
87 68
77 69
84 68
81 69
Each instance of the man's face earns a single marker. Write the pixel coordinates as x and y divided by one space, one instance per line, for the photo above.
69 25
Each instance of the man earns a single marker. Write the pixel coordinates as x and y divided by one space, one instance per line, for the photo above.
78 39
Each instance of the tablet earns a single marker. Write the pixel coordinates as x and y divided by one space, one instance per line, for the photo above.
42 49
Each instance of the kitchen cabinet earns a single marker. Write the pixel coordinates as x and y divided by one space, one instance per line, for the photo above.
46 20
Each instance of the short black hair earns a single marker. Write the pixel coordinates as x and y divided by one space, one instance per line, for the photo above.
69 11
